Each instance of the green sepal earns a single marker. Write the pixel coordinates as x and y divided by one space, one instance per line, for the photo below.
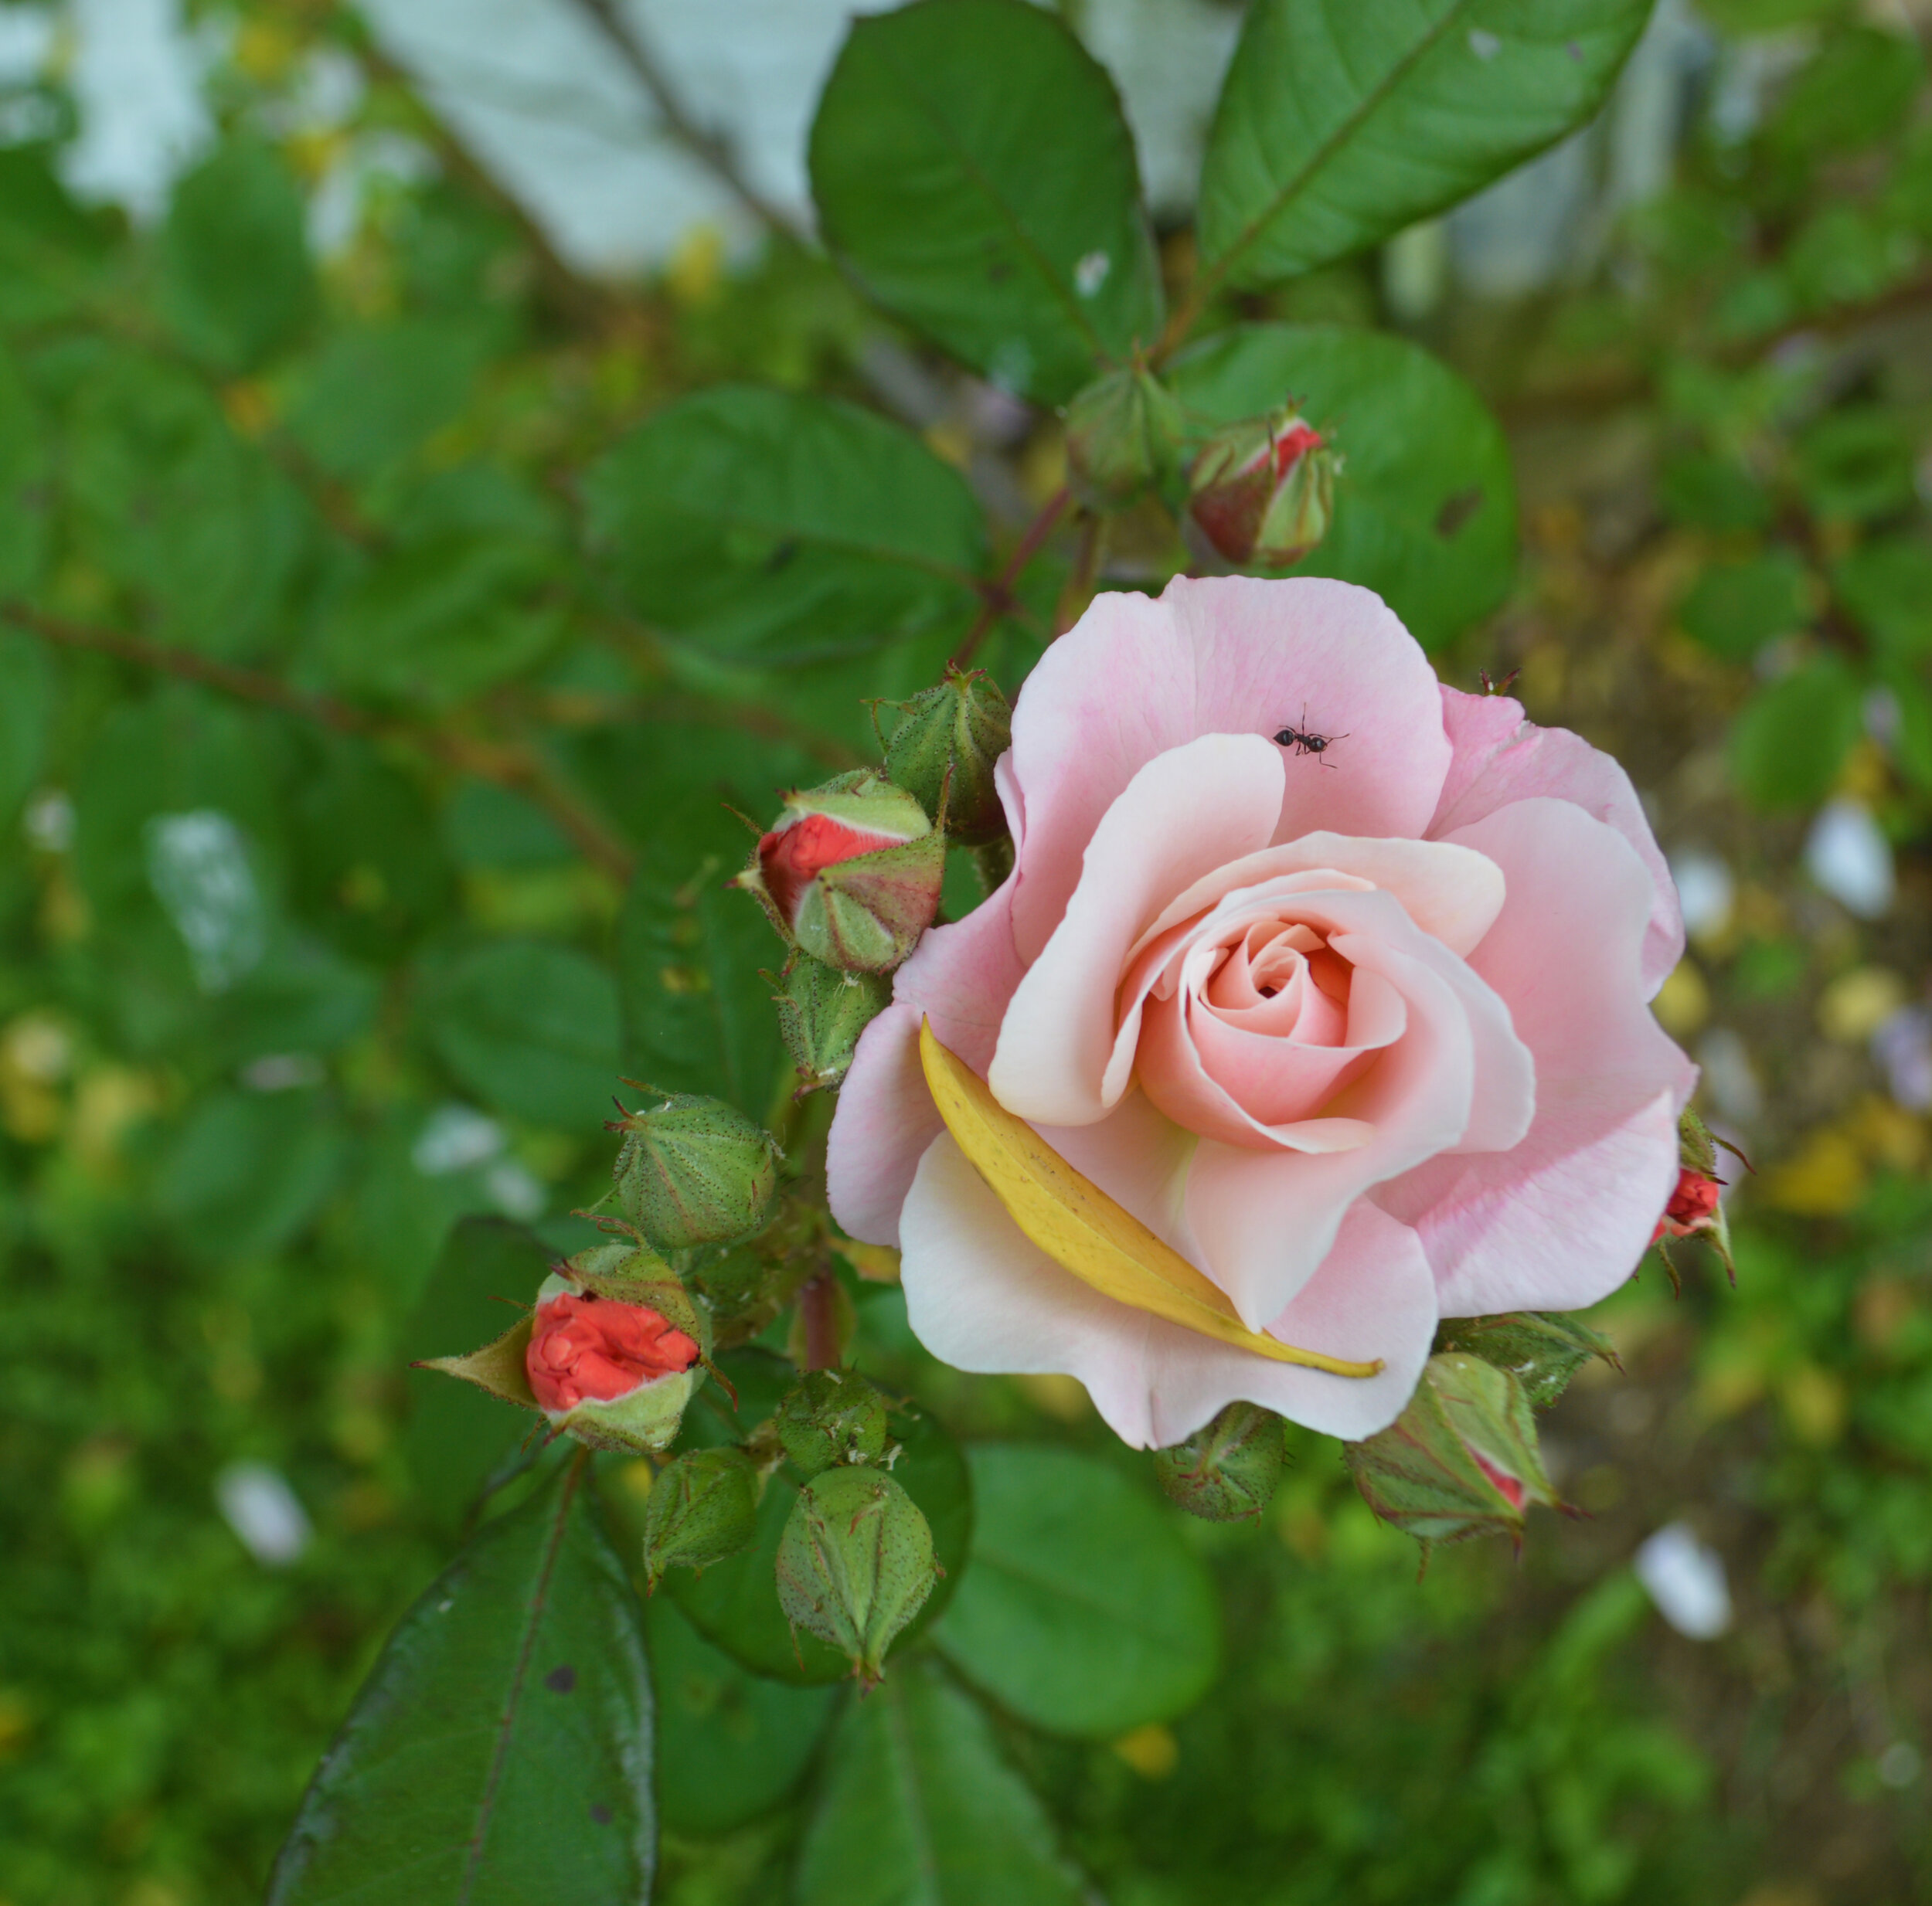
943 749
821 1012
694 1170
702 1507
499 1367
831 1416
1123 435
1228 1470
1541 1351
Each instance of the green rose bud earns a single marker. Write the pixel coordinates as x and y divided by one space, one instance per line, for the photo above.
832 1416
943 750
821 1012
1543 1353
1123 433
852 873
702 1507
1227 1470
1461 1460
855 1564
694 1170
1262 492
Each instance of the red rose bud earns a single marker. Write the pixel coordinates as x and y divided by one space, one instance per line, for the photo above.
852 873
583 1345
1261 492
1693 1206
1461 1460
1123 433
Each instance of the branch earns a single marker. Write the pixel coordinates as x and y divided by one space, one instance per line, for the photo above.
708 146
998 598
522 768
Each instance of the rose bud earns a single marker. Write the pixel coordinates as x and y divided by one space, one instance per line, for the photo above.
855 1564
1227 1470
1461 1460
616 1375
702 1507
1123 433
1695 1207
1261 492
832 1416
694 1170
821 1012
1543 1353
943 751
852 873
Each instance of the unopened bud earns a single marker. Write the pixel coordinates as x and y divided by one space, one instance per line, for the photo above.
1261 492
943 751
694 1170
1542 1352
1123 433
852 873
855 1564
1461 1460
1696 1203
832 1416
821 1012
702 1507
1227 1470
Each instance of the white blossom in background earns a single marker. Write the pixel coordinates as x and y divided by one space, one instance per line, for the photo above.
1847 855
518 1191
136 73
198 866
257 1503
1685 1577
1729 1077
1707 891
1902 1049
49 821
456 1138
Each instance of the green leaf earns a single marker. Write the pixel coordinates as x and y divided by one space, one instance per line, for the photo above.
697 1016
26 703
23 475
730 1744
1734 608
1858 462
373 393
920 1809
457 1435
248 1171
1857 91
1425 510
1886 584
734 1605
236 280
780 528
1084 1611
500 1752
1341 123
974 175
1711 493
1910 745
531 1028
1790 739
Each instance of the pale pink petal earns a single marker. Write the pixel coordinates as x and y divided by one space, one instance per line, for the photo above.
1187 811
1500 758
1563 1217
1230 655
981 1297
961 975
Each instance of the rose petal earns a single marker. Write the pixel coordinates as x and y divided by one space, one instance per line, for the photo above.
1501 758
1228 655
981 1297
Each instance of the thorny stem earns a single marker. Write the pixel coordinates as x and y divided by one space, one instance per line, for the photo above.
515 765
704 144
998 598
815 1300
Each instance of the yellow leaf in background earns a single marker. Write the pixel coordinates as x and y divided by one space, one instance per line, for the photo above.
876 1263
1080 1227
1151 1752
1683 1002
1814 1404
1856 1003
1826 1178
1061 1396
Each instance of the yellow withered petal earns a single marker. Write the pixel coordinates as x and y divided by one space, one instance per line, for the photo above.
1080 1227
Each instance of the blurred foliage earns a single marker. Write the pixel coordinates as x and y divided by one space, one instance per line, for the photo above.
318 941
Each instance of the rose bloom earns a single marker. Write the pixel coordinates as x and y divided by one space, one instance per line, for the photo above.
1363 1035
586 1346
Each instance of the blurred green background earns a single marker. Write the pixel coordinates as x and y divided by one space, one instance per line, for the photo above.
317 937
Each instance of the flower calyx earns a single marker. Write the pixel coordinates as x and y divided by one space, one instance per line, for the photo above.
1124 434
1695 1208
1261 492
821 1012
1461 1460
693 1171
942 751
831 1417
702 1507
851 874
1227 1471
1541 1351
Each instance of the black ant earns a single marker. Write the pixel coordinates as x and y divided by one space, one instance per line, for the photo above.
1304 742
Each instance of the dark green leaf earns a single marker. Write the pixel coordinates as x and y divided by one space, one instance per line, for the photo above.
457 1434
1425 510
1734 608
1910 744
1084 1611
973 173
1341 123
920 1809
735 1603
1711 493
1857 464
697 1016
236 281
372 394
771 527
1790 739
26 701
1887 586
1857 91
730 1744
248 1171
531 1028
500 1752
23 477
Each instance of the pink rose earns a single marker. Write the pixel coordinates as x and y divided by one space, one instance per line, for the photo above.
1361 1033
595 1347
